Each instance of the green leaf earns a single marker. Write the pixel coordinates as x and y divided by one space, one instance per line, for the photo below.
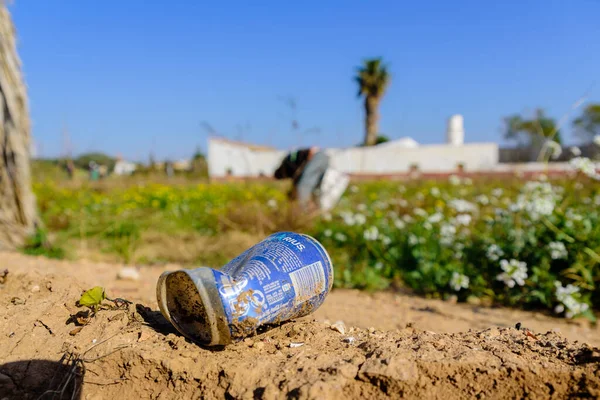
92 297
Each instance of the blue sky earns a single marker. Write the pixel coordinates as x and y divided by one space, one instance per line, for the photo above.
135 76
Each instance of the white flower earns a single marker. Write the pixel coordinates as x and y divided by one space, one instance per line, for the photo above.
354 189
413 240
360 219
327 216
584 165
272 203
454 180
447 230
447 233
407 218
427 225
371 233
399 224
554 149
494 252
402 202
378 265
401 189
459 281
567 295
537 199
463 219
559 308
575 151
557 250
597 140
348 218
483 199
327 233
361 207
419 196
515 272
420 212
379 204
435 218
468 181
339 236
386 240
434 191
542 206
462 206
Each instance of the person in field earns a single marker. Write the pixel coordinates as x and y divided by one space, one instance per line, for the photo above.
306 168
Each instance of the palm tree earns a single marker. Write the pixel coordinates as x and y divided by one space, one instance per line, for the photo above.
373 79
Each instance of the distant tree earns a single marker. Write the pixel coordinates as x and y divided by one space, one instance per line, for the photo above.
373 79
588 124
151 162
381 138
83 161
524 131
198 155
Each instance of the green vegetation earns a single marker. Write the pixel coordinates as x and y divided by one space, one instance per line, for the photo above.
525 244
83 161
587 126
92 298
521 129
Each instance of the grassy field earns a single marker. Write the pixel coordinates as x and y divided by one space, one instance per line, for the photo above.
528 244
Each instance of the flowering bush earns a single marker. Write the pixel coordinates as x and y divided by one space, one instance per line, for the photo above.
529 244
532 244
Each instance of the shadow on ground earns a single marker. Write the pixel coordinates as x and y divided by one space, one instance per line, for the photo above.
42 379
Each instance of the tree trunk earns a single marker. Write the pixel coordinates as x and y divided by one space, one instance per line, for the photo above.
18 216
371 120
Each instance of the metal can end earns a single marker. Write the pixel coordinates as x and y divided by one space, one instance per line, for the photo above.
188 299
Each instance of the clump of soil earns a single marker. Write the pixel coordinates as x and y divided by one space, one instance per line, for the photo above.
135 353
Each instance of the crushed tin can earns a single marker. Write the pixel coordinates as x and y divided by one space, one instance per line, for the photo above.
286 276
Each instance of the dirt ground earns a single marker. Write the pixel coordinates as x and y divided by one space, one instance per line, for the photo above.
394 345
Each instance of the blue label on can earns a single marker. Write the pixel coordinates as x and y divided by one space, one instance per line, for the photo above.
285 276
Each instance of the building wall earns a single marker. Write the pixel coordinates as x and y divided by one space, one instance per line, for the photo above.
224 155
243 161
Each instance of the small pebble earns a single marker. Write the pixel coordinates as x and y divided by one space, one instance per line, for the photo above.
17 301
349 340
249 342
259 345
128 273
94 341
340 327
35 288
293 345
371 330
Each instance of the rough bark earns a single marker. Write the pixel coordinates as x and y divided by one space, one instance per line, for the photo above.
18 216
371 120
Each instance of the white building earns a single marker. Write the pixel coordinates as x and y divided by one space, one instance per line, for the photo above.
226 157
124 168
